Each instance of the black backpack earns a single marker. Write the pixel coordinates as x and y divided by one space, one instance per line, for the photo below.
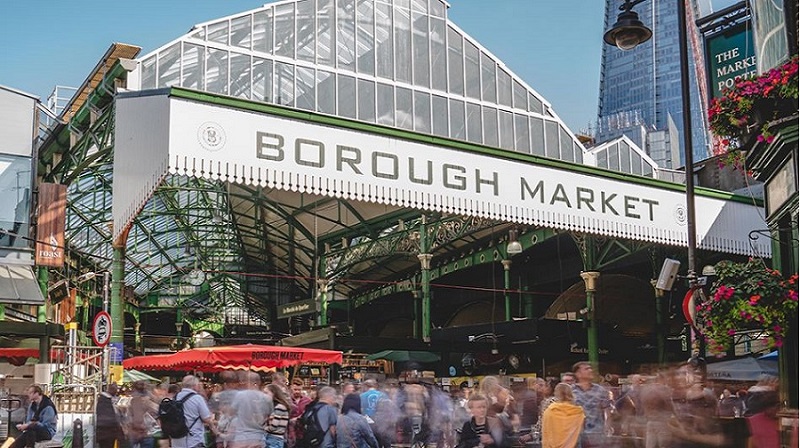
308 426
172 418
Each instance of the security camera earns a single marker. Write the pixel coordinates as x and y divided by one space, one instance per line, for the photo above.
669 270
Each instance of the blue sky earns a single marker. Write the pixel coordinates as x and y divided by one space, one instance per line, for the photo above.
554 45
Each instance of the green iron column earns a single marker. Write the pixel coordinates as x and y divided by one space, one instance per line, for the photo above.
507 286
43 276
425 264
415 295
116 304
590 282
660 335
322 285
41 315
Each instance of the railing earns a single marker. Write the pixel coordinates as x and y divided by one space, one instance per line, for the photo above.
75 402
78 365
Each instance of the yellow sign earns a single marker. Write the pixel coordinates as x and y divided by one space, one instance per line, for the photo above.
115 374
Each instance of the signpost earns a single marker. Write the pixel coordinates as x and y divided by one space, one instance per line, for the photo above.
101 329
730 57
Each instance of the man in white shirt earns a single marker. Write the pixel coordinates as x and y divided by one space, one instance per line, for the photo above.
196 412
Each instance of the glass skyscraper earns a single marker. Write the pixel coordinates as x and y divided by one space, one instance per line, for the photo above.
641 88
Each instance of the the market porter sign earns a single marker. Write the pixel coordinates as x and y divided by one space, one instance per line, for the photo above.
158 134
730 57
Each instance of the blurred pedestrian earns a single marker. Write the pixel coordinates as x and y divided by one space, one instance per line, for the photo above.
594 400
481 430
278 420
142 413
563 420
352 429
109 429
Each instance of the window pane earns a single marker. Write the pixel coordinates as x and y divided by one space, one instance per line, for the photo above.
326 92
472 70
402 47
419 6
149 73
326 32
15 199
567 152
490 136
537 136
522 134
284 30
504 87
506 130
345 34
535 104
218 32
305 88
474 129
437 8
262 80
520 96
346 95
455 59
385 104
636 164
169 66
613 157
241 35
551 139
284 84
217 71
439 106
404 115
422 112
240 75
421 57
306 32
262 31
383 41
625 159
457 120
602 159
488 79
365 45
193 66
366 100
578 151
438 54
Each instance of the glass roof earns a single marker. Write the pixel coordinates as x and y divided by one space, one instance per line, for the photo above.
622 154
398 63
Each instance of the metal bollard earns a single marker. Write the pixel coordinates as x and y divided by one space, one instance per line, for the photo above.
77 433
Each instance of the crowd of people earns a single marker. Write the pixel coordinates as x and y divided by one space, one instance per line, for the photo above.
672 408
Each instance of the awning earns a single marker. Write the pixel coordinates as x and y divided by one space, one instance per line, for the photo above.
18 285
245 357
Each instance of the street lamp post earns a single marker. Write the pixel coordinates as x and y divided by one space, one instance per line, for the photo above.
626 34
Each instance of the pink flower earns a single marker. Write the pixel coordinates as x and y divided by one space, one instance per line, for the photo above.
777 328
731 332
770 139
754 299
778 342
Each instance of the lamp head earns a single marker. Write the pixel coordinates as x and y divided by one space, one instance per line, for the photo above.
628 32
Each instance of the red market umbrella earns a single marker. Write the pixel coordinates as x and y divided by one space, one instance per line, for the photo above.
17 356
245 357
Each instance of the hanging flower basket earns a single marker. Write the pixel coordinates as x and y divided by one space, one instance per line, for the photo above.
752 103
747 296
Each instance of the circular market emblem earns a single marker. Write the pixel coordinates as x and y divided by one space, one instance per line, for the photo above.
680 214
211 136
101 329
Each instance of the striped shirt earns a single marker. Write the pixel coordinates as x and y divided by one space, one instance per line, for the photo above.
278 421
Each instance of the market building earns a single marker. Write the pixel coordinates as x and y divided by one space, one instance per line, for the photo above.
369 172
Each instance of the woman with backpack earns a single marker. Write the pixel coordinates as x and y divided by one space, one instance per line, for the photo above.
352 429
278 420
